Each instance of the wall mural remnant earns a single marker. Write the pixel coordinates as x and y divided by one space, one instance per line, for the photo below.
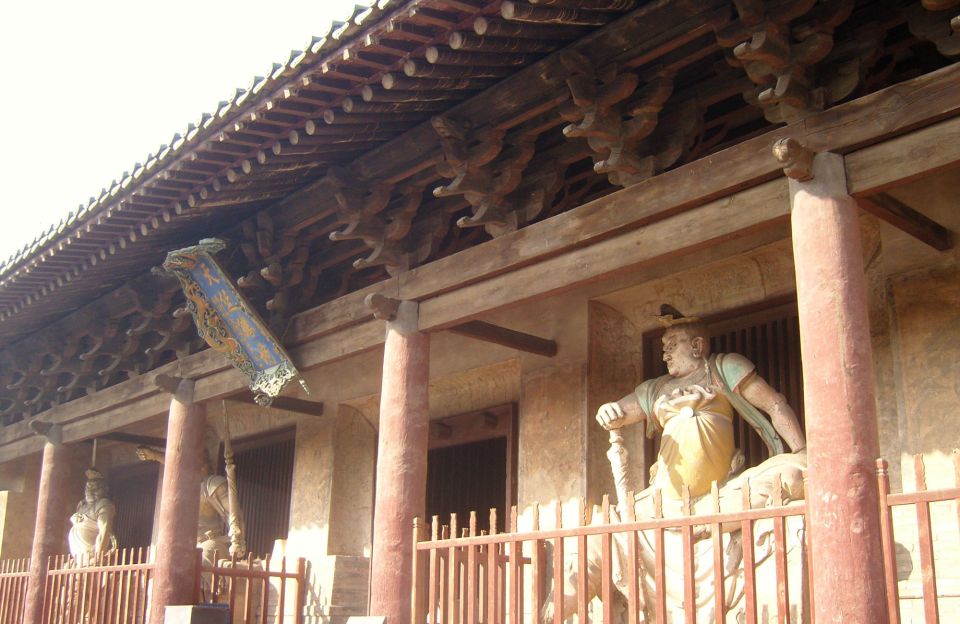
227 321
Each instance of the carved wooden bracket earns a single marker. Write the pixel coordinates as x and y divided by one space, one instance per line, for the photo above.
488 169
777 44
383 307
937 21
277 274
53 432
370 215
796 160
125 333
618 115
181 388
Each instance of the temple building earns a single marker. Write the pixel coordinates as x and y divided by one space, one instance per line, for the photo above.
528 258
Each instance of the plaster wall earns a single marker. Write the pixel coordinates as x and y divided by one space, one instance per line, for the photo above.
18 507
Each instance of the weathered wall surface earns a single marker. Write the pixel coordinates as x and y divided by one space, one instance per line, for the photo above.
552 441
926 319
615 367
18 507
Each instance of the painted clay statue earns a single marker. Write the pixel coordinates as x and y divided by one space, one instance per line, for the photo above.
693 409
215 531
92 531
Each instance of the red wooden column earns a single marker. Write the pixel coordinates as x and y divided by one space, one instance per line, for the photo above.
55 501
401 457
848 581
175 563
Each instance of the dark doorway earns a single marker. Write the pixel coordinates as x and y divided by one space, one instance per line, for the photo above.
471 466
264 482
133 489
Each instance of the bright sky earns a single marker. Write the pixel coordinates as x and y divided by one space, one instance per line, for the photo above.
90 88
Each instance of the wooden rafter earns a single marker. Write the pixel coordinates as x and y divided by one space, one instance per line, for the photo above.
488 332
287 404
905 218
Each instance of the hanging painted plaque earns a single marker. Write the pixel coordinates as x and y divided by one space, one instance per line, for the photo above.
227 321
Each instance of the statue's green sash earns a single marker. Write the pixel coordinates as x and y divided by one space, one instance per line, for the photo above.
747 411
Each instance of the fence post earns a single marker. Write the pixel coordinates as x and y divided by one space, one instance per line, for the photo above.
886 536
301 589
418 608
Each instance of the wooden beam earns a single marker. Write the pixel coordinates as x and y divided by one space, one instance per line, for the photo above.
287 404
761 207
132 438
510 338
905 218
924 152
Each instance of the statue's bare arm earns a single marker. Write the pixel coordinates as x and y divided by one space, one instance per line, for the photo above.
626 411
145 453
762 396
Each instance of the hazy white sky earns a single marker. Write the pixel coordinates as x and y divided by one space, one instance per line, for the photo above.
90 88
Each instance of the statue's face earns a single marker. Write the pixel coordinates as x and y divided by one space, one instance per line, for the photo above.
93 491
682 353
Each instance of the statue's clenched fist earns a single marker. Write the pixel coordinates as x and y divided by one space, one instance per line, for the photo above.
611 416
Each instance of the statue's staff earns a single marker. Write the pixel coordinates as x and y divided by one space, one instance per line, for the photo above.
619 456
237 540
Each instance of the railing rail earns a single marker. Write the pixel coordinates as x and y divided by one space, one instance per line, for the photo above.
13 589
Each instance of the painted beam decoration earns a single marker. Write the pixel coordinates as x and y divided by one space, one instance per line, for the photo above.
227 321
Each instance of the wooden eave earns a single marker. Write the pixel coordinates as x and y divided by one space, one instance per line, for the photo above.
721 210
282 167
185 191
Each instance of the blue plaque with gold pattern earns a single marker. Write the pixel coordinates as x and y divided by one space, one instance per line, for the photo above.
227 321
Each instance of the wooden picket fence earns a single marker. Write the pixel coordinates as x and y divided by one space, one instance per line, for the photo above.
13 589
922 499
114 588
111 589
465 575
257 591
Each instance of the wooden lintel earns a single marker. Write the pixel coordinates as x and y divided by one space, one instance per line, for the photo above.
287 404
488 332
905 218
133 438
